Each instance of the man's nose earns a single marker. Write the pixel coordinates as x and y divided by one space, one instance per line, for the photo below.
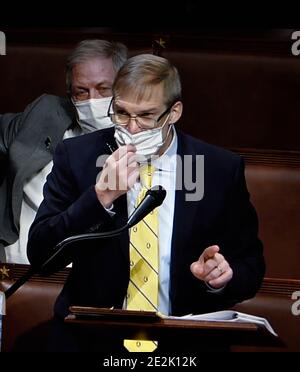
95 94
132 125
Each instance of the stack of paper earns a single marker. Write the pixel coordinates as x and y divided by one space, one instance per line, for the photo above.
226 316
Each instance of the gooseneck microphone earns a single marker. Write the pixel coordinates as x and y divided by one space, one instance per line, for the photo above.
153 199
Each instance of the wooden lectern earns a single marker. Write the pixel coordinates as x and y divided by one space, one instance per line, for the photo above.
211 335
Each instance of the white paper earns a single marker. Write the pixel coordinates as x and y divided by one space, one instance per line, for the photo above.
2 312
226 316
2 303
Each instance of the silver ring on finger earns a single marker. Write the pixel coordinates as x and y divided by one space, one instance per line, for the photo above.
220 269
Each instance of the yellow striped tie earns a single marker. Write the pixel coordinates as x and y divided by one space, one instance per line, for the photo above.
142 291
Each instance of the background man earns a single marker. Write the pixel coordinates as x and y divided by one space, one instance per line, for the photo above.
28 139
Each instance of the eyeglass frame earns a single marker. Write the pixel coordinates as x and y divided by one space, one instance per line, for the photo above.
137 116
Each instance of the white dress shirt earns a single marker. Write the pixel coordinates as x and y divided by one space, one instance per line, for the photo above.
32 198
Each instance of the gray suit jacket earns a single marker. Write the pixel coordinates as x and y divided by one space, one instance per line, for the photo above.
27 144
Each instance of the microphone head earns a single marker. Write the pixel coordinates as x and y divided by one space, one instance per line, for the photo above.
153 198
158 193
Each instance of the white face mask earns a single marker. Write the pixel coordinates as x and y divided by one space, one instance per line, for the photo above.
92 114
147 142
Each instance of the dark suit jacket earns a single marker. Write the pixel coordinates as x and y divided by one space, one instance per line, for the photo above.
100 272
27 143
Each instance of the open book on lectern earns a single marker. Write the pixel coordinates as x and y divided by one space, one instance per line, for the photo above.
152 316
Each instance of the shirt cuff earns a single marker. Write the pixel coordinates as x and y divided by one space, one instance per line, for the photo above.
110 210
214 290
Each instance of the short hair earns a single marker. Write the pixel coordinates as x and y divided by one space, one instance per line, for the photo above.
90 49
140 73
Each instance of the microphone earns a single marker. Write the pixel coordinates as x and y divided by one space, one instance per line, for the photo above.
153 198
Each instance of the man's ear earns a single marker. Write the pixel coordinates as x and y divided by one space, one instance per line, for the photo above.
176 112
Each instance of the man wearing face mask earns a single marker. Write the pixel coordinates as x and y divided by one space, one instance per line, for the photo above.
28 139
184 257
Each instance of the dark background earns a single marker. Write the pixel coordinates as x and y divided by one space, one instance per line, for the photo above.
150 15
240 85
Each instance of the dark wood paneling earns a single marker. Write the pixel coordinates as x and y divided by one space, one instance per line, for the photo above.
272 286
240 86
270 42
270 157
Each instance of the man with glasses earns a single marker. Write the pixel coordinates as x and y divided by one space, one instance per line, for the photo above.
202 255
28 139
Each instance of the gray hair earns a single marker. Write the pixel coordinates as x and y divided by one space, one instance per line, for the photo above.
88 49
141 73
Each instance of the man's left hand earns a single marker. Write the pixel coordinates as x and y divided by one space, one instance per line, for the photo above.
212 268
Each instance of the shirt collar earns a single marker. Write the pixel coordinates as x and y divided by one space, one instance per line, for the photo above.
167 161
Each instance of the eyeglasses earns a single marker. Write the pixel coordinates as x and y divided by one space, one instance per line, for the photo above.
143 121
